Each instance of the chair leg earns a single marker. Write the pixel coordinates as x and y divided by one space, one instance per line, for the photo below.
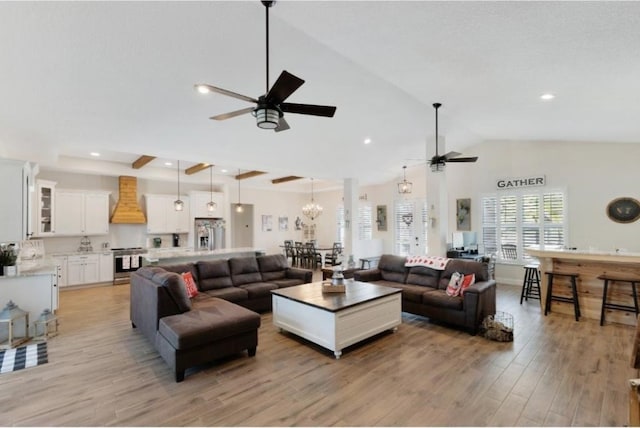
574 293
524 285
547 304
604 301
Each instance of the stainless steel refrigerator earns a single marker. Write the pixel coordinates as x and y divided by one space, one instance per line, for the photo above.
209 234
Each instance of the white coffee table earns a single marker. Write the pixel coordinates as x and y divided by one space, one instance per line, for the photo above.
337 320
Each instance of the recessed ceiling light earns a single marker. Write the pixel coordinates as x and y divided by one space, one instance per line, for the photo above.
168 163
547 97
203 89
367 140
96 154
224 170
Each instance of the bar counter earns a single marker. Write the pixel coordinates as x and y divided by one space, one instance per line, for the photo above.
589 265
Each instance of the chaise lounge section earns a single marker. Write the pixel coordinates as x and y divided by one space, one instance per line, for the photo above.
424 290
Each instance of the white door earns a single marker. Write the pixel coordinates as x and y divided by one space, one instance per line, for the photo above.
410 221
242 226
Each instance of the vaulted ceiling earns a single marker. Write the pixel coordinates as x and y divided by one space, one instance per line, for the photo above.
117 78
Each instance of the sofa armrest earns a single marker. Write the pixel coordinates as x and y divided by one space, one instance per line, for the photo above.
367 275
305 275
479 301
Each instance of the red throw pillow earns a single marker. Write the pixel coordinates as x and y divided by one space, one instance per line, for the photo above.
467 282
189 282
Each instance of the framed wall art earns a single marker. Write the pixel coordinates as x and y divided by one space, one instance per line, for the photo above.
463 214
267 223
381 217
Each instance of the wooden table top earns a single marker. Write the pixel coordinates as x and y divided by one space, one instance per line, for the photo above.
356 293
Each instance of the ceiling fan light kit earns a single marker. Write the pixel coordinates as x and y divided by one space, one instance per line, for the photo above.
270 107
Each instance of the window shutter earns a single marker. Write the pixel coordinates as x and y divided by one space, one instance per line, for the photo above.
340 224
404 232
489 222
365 222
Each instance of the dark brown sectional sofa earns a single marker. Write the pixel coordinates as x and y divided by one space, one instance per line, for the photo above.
217 322
423 290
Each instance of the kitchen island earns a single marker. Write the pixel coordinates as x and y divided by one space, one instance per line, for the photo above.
168 256
589 265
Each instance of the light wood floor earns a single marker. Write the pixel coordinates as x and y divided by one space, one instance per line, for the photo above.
103 372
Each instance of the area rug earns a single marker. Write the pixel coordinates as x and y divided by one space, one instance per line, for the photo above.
23 357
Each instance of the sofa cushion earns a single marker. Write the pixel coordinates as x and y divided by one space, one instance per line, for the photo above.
231 294
273 266
440 299
420 275
208 324
175 287
213 274
392 268
181 268
465 267
259 289
244 270
287 282
411 293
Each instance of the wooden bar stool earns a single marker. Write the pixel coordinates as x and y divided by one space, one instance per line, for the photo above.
574 293
531 283
606 305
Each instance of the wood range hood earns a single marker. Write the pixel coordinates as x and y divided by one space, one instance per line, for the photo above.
127 210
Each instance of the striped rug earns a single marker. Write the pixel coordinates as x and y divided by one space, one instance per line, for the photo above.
23 357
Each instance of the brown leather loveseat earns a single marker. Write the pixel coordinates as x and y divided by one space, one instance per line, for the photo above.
424 290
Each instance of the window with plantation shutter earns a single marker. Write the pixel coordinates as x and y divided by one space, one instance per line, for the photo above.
411 226
523 219
340 224
365 222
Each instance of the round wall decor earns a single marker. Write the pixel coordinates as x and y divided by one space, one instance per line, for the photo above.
624 210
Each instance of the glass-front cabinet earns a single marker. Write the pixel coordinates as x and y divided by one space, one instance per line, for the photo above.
45 213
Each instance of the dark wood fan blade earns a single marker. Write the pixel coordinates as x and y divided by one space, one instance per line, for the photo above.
470 159
314 110
451 155
282 125
286 85
225 92
231 114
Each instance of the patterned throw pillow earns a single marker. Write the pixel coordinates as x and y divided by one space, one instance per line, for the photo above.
190 283
453 289
467 282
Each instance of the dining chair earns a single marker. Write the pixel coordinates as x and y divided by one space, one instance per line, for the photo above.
314 258
509 252
300 254
332 259
289 251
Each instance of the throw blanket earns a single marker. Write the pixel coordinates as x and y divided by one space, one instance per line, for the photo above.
437 263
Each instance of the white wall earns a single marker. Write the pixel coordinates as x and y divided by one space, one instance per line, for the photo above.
592 173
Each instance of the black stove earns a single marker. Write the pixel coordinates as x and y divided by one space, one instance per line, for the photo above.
125 261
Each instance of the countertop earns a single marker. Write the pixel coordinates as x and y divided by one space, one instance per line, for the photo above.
593 255
171 253
42 266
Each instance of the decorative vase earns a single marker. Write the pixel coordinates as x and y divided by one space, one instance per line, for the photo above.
351 263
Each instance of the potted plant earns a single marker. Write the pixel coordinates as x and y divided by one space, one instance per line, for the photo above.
8 261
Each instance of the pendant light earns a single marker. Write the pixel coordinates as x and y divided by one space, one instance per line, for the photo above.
178 205
405 186
312 210
239 207
211 206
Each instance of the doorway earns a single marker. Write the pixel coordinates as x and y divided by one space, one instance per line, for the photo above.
411 227
242 226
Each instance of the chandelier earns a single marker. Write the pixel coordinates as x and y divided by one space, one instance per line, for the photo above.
404 186
312 210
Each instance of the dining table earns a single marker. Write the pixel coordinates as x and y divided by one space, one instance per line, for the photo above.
323 250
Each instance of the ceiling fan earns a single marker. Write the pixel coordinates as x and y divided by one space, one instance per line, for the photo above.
270 107
438 162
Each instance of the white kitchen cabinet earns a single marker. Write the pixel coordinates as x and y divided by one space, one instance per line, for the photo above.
14 190
61 262
44 208
106 267
83 269
79 212
199 201
162 216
